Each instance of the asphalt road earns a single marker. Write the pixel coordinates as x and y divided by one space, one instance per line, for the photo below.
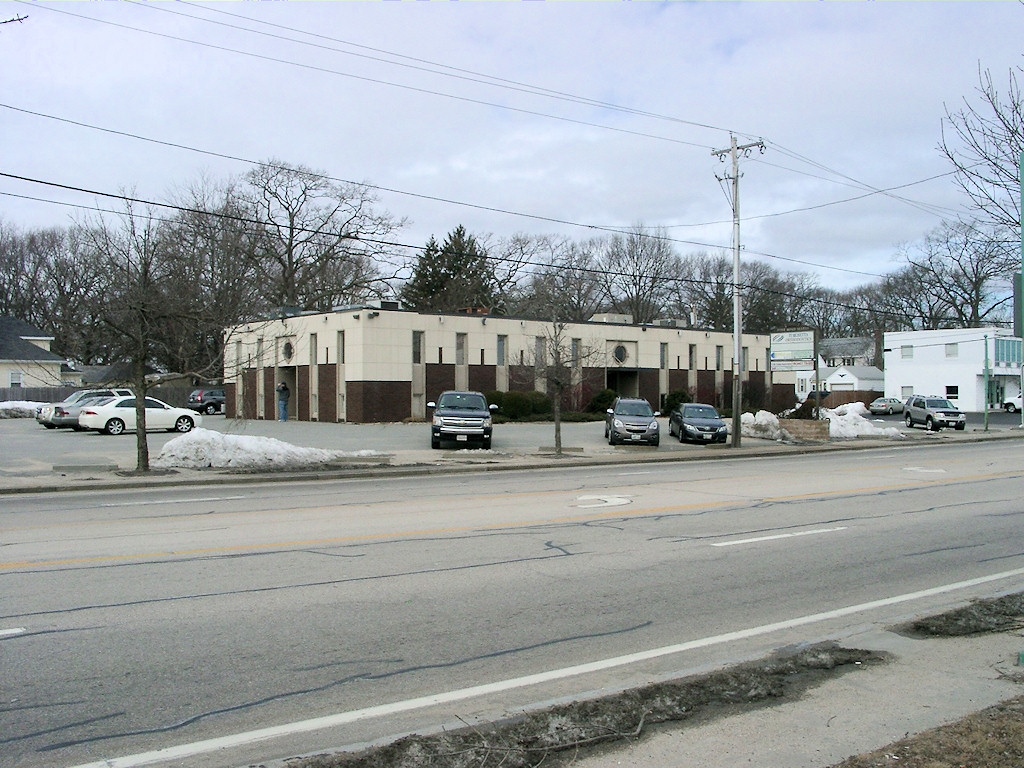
346 611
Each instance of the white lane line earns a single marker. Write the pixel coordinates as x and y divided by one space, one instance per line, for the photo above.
171 501
342 718
12 632
603 501
778 536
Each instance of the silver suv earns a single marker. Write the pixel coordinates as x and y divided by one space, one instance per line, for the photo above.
631 420
933 412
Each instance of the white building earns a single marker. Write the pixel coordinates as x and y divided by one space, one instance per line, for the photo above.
952 363
383 363
843 378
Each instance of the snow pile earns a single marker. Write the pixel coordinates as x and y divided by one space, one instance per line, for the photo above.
763 424
844 422
853 420
19 409
202 448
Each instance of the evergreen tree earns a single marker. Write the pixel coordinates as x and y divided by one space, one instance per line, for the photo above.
456 275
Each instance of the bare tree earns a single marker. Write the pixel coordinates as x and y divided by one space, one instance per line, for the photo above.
567 277
319 239
967 271
635 269
703 290
984 141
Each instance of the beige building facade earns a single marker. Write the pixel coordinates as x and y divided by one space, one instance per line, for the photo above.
382 363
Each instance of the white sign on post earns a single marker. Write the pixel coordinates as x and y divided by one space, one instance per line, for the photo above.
792 351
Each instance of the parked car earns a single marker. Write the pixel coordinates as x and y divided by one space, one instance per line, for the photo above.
1012 405
889 405
208 401
117 415
933 412
632 420
65 413
462 417
698 423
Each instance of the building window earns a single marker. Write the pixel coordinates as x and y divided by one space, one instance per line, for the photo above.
540 351
577 345
907 352
15 379
341 348
744 359
952 350
906 393
440 355
692 364
952 393
312 350
460 349
664 355
719 356
502 350
417 347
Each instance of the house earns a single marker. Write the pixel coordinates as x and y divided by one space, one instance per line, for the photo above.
859 351
25 356
380 362
843 378
975 368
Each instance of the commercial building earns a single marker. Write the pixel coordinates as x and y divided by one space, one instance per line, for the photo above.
975 368
377 363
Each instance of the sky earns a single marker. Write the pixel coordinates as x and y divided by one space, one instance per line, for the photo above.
565 118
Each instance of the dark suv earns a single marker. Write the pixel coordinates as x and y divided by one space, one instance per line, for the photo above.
208 401
631 420
462 417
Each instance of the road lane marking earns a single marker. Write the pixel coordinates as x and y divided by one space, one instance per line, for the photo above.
111 505
13 631
183 751
778 536
603 501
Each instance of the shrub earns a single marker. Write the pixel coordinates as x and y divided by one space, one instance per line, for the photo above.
672 399
602 401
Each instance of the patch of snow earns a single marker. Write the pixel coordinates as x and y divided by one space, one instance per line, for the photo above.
19 409
203 448
844 422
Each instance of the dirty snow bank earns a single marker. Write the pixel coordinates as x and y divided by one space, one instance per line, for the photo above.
203 448
19 409
844 422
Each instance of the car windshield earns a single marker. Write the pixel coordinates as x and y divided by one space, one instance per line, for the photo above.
469 402
638 408
939 403
700 412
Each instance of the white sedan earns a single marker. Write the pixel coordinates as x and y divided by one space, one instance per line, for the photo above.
117 415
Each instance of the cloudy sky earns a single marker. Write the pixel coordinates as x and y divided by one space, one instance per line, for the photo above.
517 117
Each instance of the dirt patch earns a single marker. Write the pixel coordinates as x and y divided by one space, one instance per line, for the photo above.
558 734
997 614
993 738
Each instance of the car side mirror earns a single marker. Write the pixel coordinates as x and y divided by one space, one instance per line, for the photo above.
493 407
657 413
431 404
610 410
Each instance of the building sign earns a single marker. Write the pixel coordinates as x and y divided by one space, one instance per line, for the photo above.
792 351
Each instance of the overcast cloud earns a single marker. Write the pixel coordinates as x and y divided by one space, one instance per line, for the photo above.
837 91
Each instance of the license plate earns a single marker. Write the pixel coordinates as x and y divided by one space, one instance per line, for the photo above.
635 437
462 437
707 436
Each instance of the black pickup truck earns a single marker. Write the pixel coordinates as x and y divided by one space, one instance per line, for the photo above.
461 417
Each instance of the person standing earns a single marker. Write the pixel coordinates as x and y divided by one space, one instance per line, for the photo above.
283 393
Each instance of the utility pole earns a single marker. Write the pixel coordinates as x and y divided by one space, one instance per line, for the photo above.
734 152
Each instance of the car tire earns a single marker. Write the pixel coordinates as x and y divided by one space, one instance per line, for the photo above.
1010 408
183 424
910 421
210 409
889 411
681 438
435 443
114 427
486 444
960 427
930 424
54 426
611 439
656 443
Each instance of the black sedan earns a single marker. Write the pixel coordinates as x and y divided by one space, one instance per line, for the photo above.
698 423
